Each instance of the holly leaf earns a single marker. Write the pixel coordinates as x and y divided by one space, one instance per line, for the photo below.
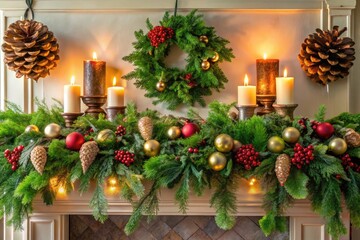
296 184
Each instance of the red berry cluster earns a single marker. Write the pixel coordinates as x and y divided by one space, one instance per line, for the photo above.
88 132
125 157
302 155
188 77
314 124
14 156
347 162
120 131
160 34
247 156
193 150
302 122
192 84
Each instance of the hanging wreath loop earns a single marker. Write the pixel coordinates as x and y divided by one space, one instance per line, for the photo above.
173 85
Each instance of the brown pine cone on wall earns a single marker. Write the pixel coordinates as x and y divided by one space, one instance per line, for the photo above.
30 49
325 56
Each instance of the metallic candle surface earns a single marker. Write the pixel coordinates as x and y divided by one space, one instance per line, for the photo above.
94 77
266 72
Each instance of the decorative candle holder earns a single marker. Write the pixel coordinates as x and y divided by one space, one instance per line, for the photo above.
111 112
266 104
70 118
94 103
285 109
246 111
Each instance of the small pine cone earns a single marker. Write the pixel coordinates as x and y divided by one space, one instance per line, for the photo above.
325 56
38 158
282 168
30 49
352 138
88 152
145 126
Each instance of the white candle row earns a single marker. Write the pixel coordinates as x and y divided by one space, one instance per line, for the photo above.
72 91
284 91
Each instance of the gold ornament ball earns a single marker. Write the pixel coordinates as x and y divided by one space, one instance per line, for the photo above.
205 65
105 135
52 130
237 145
276 144
151 148
215 58
338 146
217 161
224 143
31 128
204 39
160 86
291 135
174 132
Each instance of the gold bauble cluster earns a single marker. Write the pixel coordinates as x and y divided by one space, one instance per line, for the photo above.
160 86
52 130
224 143
105 135
151 148
291 135
338 146
276 144
217 161
174 132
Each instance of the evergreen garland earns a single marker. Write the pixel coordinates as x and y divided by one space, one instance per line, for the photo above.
323 181
188 85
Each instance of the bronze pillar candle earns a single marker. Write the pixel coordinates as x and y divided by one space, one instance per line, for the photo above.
266 72
94 77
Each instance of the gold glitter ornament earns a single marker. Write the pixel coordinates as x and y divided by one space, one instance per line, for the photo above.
282 168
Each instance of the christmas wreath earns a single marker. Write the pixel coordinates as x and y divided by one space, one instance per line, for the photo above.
173 85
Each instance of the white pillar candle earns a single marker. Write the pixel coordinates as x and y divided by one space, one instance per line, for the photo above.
246 94
72 97
115 95
285 89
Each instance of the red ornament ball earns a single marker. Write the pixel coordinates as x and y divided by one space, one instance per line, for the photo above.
324 130
74 141
189 129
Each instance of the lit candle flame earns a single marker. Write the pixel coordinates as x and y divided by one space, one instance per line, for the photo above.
285 72
72 80
114 81
94 56
246 80
265 56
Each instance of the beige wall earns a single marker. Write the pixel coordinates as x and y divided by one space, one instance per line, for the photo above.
250 31
355 90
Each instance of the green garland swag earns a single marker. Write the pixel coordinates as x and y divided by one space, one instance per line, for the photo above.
172 85
323 181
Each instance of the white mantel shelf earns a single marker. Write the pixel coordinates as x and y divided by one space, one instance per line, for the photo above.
249 203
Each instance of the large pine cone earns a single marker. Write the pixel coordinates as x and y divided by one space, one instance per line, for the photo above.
145 126
30 49
88 152
352 138
38 158
325 56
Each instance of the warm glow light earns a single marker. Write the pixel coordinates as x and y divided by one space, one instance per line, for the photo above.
114 81
72 81
61 190
94 56
252 181
246 80
265 56
285 72
112 181
112 189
